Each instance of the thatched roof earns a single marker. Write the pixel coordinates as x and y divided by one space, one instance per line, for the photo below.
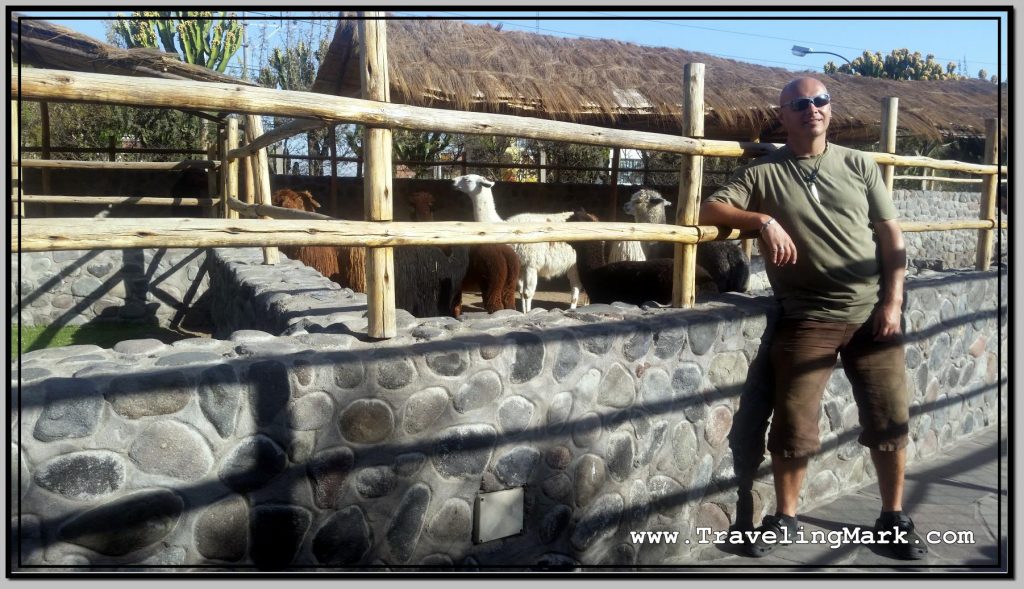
454 65
45 45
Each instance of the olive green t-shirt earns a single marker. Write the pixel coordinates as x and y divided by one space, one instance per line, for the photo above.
838 267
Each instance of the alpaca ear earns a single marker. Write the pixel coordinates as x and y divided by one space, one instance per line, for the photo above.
486 182
309 198
667 202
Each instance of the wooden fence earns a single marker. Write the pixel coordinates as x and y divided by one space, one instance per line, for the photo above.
232 159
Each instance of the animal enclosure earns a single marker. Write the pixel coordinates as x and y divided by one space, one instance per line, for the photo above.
327 429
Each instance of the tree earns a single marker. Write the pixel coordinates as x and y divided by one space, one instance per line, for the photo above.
198 38
295 68
573 155
900 64
419 146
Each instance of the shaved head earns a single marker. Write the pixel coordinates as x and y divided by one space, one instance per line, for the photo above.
805 128
800 88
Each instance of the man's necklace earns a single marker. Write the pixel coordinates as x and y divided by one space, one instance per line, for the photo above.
811 178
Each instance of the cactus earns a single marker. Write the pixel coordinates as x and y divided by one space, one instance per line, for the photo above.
900 64
198 37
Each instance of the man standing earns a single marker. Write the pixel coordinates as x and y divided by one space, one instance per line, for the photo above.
835 258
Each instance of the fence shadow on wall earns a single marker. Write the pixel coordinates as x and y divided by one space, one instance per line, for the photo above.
263 375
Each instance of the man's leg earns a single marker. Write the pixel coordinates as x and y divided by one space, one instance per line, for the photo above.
788 475
803 354
890 468
877 372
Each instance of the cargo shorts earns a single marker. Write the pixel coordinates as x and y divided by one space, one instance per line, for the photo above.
803 354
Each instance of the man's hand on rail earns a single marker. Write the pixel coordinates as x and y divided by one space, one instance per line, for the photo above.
778 246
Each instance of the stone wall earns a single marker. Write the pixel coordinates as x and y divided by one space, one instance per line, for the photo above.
319 448
939 250
164 286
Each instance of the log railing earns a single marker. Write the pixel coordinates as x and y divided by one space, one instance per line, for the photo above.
40 84
380 232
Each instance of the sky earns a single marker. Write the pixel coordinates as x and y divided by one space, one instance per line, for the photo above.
763 38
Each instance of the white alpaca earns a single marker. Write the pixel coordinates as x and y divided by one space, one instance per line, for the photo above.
626 251
645 206
547 260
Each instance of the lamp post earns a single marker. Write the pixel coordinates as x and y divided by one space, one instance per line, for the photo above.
802 51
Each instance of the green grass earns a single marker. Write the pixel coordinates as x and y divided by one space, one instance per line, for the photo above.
104 335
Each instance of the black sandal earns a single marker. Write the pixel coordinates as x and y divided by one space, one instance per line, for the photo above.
784 532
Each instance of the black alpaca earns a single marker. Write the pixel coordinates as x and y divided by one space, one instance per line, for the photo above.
628 281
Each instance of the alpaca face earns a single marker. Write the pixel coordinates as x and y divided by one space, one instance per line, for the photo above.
423 206
471 184
290 199
642 201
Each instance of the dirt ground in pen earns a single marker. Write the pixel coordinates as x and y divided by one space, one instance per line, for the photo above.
543 299
554 294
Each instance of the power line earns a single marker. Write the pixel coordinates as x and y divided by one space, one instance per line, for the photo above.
596 38
815 43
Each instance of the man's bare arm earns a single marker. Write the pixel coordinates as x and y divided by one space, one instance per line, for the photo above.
894 269
777 244
726 215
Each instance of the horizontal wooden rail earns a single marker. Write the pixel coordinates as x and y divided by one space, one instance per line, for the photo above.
119 200
66 234
106 150
87 234
58 85
920 226
260 210
942 179
285 131
182 165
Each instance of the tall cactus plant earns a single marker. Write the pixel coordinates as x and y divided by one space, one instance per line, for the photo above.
200 38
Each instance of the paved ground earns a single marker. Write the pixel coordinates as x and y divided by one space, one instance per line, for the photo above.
961 490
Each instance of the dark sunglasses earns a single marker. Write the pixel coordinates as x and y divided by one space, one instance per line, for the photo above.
819 101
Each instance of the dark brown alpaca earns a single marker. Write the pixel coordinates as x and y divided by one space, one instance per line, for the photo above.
628 281
344 265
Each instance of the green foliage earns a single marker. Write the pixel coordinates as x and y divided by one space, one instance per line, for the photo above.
409 146
574 155
104 335
295 69
198 38
419 146
900 64
94 125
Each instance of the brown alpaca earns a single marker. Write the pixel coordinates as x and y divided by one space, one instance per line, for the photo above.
493 268
344 265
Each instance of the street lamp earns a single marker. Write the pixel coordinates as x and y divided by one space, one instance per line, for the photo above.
802 51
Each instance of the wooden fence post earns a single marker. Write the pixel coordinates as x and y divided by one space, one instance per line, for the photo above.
887 143
230 168
17 207
248 189
333 138
44 119
380 261
691 172
261 177
613 199
748 244
214 180
989 185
